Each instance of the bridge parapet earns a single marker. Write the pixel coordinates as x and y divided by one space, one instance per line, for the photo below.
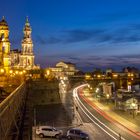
10 112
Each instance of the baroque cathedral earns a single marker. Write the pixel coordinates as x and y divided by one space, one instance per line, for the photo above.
15 59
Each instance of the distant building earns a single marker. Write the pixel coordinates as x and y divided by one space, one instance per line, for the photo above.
107 89
109 71
67 67
63 69
126 103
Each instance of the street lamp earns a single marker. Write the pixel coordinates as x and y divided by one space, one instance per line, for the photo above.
133 107
115 75
21 73
97 89
98 96
11 71
24 71
1 71
98 76
107 96
87 77
48 72
17 72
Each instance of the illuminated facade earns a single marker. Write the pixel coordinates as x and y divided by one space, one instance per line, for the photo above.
16 59
26 60
67 68
5 59
15 55
63 69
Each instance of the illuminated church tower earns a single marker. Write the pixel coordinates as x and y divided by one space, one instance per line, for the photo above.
5 60
27 56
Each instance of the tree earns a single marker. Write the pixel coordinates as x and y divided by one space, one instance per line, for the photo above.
97 71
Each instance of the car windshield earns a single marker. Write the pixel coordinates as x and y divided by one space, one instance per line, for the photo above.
55 129
78 132
83 134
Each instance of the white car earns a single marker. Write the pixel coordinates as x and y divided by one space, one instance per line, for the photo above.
43 131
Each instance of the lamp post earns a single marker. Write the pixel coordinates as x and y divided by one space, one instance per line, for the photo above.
107 96
2 71
133 106
96 91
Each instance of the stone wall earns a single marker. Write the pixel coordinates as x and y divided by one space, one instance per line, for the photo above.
44 92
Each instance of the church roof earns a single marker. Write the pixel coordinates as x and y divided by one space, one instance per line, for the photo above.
3 23
68 63
61 63
27 25
15 51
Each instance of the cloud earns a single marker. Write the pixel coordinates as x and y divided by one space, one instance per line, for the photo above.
41 40
106 18
69 36
53 40
116 60
130 37
79 35
44 40
91 62
130 33
73 58
110 61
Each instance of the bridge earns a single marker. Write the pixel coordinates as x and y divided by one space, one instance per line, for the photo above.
119 82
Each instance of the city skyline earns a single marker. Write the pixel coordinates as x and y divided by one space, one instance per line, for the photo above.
90 34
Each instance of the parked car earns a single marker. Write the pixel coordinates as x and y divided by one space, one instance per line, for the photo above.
77 134
43 131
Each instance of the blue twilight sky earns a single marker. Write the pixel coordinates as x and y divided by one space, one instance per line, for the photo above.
89 33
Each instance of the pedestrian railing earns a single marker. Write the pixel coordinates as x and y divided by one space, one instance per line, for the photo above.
10 112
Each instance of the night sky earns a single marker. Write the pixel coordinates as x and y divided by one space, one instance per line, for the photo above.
89 33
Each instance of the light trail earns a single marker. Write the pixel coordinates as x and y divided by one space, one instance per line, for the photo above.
81 105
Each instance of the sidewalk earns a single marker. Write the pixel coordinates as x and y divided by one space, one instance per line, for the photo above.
123 118
86 127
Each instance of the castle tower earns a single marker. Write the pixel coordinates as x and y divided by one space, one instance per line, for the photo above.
27 56
4 45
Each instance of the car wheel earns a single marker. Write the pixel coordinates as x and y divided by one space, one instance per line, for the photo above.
85 138
69 137
57 136
41 135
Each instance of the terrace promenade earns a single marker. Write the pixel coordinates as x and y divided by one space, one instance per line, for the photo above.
38 102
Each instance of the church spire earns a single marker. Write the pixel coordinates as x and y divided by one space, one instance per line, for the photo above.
27 21
3 18
27 28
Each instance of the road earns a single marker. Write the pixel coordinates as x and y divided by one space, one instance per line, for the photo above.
94 121
102 123
65 116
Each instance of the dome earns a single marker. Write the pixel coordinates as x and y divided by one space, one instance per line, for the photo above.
3 24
